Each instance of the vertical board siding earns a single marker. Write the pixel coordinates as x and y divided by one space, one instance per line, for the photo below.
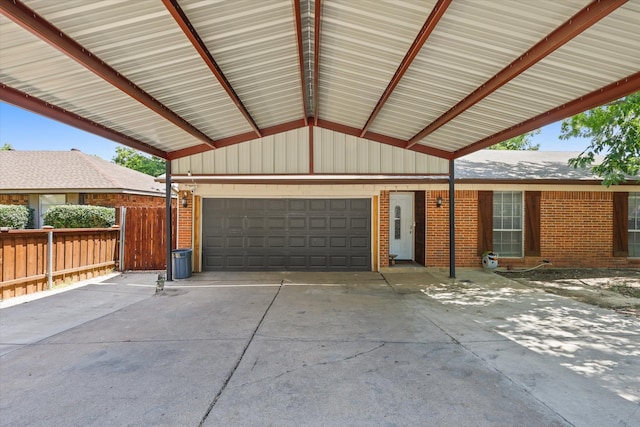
23 258
145 238
532 221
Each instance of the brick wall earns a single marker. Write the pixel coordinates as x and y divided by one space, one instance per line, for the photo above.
384 229
113 200
185 220
14 199
576 230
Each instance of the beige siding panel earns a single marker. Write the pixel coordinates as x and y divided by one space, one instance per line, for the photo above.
338 153
285 153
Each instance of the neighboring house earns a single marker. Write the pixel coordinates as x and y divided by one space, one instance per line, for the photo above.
365 203
41 179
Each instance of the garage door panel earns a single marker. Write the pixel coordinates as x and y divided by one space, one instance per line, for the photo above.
287 234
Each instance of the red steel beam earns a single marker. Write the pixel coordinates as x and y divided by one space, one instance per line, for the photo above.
298 22
236 139
35 24
428 27
38 106
316 58
181 19
578 23
612 92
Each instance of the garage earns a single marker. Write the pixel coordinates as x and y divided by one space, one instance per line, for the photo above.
283 234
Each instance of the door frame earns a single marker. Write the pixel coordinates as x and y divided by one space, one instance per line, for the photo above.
410 195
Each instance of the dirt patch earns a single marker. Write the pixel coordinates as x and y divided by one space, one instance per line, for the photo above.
616 289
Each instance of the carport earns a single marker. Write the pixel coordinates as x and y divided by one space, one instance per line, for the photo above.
320 91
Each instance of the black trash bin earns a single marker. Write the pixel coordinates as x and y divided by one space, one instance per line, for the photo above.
181 263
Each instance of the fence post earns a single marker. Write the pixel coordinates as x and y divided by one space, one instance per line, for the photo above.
49 256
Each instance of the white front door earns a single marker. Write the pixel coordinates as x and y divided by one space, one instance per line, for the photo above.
401 225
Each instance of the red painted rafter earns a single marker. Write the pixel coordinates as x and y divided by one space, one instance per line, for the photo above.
32 22
236 139
298 22
581 21
316 58
38 106
612 92
181 19
431 22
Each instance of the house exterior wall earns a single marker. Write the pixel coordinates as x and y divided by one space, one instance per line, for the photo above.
14 199
576 222
185 221
112 200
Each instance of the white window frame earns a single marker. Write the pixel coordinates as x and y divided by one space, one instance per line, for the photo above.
634 225
496 248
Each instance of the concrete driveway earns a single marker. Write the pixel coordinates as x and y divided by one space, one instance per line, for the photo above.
286 349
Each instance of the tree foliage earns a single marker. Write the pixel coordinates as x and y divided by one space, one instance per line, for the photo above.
130 158
614 130
522 142
6 147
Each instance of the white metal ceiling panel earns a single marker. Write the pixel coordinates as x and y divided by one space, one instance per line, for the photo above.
142 42
565 75
27 64
473 41
360 50
255 45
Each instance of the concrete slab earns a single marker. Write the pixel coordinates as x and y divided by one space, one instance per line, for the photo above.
314 349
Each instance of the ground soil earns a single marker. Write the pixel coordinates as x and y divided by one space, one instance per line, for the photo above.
615 289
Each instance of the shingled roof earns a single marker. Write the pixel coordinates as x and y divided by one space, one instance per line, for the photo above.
70 171
511 165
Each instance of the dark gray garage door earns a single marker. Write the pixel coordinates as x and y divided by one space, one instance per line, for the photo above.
286 234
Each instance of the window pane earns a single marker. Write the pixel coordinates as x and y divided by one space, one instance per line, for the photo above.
634 225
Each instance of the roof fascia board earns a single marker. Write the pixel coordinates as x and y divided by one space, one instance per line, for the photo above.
611 92
298 24
41 28
38 106
194 38
428 27
578 23
316 58
236 139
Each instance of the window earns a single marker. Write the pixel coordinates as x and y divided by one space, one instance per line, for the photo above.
50 200
396 221
507 223
634 224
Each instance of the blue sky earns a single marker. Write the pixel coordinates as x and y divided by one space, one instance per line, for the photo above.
28 131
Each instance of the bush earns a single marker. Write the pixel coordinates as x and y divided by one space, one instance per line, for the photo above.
76 216
16 216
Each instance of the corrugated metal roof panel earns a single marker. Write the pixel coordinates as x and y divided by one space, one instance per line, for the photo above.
143 42
112 108
612 44
462 54
353 70
255 45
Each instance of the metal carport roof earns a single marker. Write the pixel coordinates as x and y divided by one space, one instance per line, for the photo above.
178 77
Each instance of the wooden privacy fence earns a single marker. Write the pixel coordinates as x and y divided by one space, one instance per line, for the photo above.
34 260
144 238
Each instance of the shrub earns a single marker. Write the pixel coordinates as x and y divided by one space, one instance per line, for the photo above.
77 216
16 216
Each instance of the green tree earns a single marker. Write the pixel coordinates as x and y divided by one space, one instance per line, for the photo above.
6 147
522 142
614 130
130 158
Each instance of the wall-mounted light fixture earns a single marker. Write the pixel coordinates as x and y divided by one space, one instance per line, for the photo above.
439 202
184 200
